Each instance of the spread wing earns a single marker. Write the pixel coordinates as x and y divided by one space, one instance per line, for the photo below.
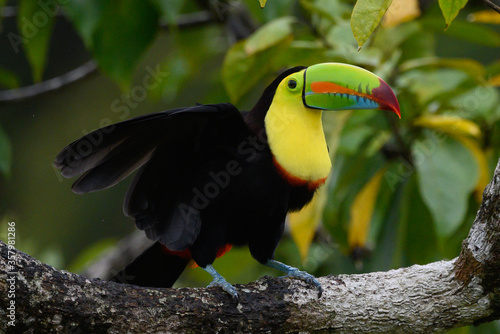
174 151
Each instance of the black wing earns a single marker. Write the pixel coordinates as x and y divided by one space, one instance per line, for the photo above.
174 148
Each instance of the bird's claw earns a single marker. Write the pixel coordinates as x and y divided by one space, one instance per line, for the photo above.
225 286
306 277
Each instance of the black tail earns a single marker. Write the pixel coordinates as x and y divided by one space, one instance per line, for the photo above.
153 268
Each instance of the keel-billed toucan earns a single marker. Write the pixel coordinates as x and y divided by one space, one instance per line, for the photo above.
211 177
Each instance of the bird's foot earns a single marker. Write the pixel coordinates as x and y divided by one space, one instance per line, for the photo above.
220 282
293 272
306 277
226 286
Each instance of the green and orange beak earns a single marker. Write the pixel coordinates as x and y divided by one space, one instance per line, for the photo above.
335 86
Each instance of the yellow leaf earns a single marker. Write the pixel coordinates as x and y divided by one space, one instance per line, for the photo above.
495 80
482 162
303 224
471 67
449 124
462 130
262 3
401 11
485 16
361 211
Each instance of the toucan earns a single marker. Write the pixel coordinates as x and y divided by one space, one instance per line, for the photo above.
210 177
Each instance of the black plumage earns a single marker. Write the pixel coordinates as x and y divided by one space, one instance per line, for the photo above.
206 179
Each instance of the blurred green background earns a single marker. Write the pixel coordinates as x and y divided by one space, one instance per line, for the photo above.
418 181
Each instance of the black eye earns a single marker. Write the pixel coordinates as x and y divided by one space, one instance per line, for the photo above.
292 84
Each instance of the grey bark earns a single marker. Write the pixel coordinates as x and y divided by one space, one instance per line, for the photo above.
419 299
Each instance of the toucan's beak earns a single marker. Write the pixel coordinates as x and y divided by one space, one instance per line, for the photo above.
335 86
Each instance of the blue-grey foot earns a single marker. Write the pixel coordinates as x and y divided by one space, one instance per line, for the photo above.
293 272
220 281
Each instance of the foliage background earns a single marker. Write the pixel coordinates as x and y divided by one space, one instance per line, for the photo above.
401 192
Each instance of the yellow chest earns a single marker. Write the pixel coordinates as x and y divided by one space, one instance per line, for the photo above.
296 138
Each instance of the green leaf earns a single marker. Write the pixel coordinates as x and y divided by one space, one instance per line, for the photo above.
124 32
422 44
240 71
386 228
493 68
192 50
35 24
375 144
417 219
5 153
85 15
366 16
427 85
344 46
178 68
450 9
447 174
170 9
471 32
479 102
388 67
361 134
269 34
341 34
351 139
8 79
389 39
332 10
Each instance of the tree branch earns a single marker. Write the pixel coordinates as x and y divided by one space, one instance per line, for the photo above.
13 95
191 20
50 85
492 5
418 299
